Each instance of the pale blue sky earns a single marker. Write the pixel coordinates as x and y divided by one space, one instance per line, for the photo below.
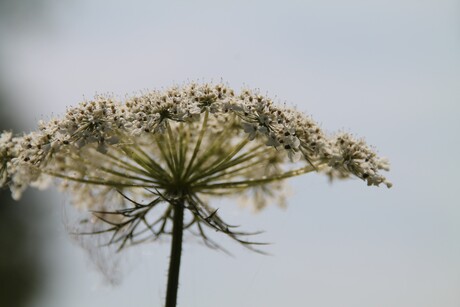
385 70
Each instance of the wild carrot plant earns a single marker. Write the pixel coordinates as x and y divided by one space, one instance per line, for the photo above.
149 167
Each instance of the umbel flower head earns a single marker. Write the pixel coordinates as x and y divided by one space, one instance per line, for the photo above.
178 147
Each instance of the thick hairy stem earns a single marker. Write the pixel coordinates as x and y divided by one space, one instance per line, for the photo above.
176 250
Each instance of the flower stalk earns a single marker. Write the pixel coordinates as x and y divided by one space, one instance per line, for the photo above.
176 251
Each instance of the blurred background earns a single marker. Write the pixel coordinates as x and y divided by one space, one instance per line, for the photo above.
388 70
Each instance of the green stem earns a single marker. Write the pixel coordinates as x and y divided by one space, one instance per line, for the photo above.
176 251
253 182
198 144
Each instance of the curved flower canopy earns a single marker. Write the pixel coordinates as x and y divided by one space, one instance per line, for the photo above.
184 144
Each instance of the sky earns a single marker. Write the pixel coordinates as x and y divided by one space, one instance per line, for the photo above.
388 71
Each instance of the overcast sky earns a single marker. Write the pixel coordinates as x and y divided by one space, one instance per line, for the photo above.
385 70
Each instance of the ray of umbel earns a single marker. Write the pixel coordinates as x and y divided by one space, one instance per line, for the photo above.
148 167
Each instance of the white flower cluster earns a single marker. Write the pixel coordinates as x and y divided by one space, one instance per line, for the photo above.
105 123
